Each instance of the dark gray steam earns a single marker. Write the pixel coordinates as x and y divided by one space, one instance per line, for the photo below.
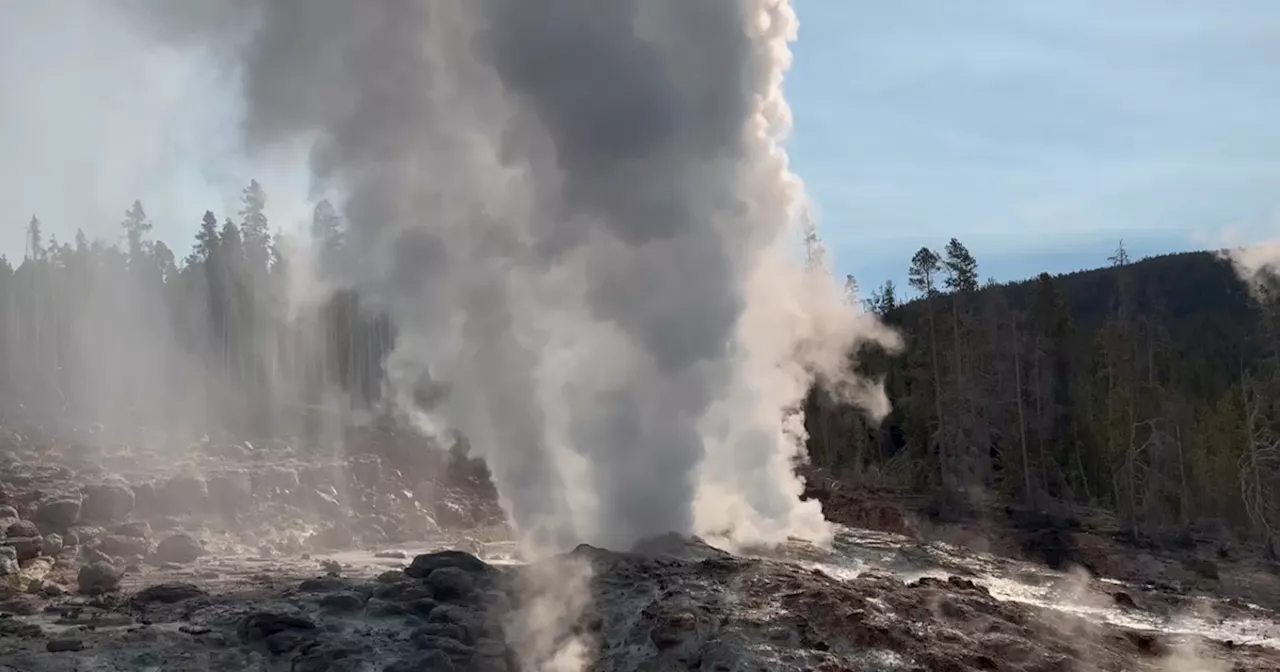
576 211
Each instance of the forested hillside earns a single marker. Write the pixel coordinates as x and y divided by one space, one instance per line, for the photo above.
1148 388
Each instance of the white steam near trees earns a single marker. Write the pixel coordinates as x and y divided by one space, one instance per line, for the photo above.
579 216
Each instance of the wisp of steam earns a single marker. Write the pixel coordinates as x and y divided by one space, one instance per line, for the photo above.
580 216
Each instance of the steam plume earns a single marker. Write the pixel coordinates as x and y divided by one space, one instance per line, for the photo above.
577 213
1256 265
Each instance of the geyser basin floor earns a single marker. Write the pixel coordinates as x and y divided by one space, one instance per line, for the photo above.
687 608
876 601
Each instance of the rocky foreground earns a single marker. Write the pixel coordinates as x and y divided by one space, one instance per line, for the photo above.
231 558
675 605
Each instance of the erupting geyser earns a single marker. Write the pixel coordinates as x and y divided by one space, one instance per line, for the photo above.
579 216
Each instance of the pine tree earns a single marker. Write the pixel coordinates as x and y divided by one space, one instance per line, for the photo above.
884 300
326 235
35 241
925 265
255 231
206 240
961 268
961 271
136 226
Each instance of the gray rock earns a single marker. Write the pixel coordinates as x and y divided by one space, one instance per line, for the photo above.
8 560
62 644
26 548
98 578
285 641
59 513
383 609
119 545
404 591
447 630
471 623
485 663
343 602
22 528
491 648
180 548
8 513
169 593
166 523
53 544
324 584
339 655
92 555
145 501
106 502
391 576
182 494
451 583
453 648
263 624
495 602
423 565
140 529
430 661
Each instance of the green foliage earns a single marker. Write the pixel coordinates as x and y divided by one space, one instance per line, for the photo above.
924 271
1119 387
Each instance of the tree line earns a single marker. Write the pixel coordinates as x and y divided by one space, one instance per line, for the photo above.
1147 389
129 335
1150 389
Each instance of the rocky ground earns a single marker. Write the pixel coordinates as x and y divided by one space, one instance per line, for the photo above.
256 558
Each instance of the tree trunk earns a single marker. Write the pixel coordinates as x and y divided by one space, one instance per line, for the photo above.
1022 422
937 396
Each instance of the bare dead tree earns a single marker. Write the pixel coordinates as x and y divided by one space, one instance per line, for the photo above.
1259 468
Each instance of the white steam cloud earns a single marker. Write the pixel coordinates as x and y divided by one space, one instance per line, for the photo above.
1256 265
581 219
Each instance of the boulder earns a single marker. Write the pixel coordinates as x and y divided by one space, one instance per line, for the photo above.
25 548
22 528
53 544
263 624
181 495
8 560
139 529
423 565
98 578
59 513
106 502
120 545
168 593
343 602
451 583
145 501
179 548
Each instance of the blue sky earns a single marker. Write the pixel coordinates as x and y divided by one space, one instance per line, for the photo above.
1038 132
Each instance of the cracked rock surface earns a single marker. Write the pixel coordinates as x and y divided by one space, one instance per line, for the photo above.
679 606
